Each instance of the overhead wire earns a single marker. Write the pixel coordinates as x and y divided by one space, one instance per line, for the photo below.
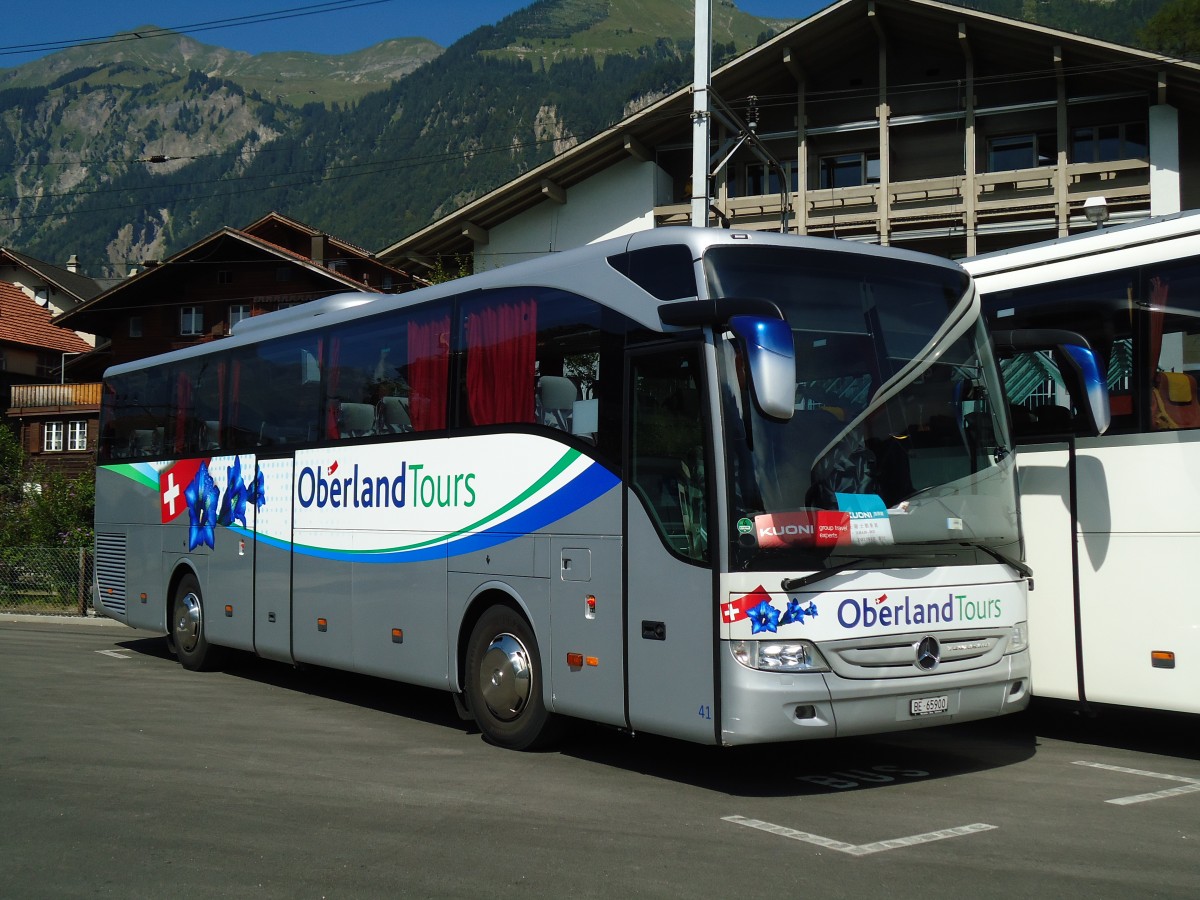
294 12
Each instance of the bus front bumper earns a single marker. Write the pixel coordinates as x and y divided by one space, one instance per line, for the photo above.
762 707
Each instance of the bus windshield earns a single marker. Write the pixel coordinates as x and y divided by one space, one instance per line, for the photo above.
896 448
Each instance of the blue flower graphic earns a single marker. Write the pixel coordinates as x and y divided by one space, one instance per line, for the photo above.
796 612
201 496
233 504
764 617
257 492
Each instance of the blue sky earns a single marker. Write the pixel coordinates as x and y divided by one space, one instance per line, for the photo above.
336 26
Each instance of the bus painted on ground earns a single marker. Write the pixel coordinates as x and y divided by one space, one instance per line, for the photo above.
722 486
1112 523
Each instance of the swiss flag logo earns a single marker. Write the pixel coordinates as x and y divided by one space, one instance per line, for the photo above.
740 608
172 483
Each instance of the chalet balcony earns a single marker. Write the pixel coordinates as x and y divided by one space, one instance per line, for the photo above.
1020 194
53 398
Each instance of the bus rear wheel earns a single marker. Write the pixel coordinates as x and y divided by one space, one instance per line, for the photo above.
187 628
504 682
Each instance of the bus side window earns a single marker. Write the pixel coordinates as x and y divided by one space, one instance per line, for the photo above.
1172 295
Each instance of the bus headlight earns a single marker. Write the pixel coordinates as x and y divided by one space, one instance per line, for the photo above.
1019 639
779 656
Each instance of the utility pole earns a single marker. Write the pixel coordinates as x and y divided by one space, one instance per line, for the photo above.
701 117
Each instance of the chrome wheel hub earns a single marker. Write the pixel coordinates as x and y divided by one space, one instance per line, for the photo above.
505 677
186 629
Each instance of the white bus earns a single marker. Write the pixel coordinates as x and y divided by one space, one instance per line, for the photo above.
727 487
1112 523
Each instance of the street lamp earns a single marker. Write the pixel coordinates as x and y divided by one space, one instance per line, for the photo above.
1096 210
62 365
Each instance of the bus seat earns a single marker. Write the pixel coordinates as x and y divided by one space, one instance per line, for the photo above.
1175 404
1052 419
1022 420
557 395
393 417
356 419
142 442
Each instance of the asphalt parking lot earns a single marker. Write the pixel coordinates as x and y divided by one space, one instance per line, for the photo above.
124 775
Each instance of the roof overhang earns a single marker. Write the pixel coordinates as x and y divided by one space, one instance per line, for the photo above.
803 47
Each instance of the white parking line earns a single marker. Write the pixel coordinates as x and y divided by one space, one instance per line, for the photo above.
858 849
115 654
1191 785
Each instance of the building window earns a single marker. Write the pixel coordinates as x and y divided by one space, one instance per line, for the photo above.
1108 143
47 364
1020 151
77 435
224 276
52 437
191 320
849 170
135 326
237 312
762 180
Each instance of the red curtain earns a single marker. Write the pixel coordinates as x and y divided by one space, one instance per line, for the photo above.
501 352
428 372
333 404
183 409
235 398
1159 289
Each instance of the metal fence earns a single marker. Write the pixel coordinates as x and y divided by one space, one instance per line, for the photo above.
46 580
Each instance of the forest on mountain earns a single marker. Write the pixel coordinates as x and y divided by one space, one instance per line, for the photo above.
119 157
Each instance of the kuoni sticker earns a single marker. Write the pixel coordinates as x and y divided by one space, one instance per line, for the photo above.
808 528
869 522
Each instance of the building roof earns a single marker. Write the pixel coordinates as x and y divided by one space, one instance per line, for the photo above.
263 226
90 315
72 283
24 323
818 43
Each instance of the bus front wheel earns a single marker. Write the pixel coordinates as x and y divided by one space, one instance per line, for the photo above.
187 628
504 682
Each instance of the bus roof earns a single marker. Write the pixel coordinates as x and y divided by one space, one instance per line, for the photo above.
565 270
1023 264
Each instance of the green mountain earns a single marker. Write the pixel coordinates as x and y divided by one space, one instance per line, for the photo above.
132 150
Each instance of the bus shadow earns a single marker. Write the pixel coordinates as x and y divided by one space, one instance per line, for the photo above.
835 766
1119 728
811 768
379 694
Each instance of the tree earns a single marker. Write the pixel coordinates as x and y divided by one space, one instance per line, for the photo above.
12 477
40 509
1174 30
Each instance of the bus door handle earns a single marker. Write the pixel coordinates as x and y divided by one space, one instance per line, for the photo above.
654 631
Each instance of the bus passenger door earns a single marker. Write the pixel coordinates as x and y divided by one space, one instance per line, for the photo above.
671 619
273 560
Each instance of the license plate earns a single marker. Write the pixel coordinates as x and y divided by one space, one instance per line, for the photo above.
929 706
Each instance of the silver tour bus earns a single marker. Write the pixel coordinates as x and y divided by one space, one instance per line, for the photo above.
723 486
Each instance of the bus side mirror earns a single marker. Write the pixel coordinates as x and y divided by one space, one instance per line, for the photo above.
1077 364
770 356
1090 386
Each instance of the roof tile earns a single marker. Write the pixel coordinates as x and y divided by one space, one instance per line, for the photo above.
25 323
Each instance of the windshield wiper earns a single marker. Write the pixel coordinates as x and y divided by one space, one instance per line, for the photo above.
792 584
1015 564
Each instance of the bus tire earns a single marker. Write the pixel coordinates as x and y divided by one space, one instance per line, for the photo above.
187 628
504 682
